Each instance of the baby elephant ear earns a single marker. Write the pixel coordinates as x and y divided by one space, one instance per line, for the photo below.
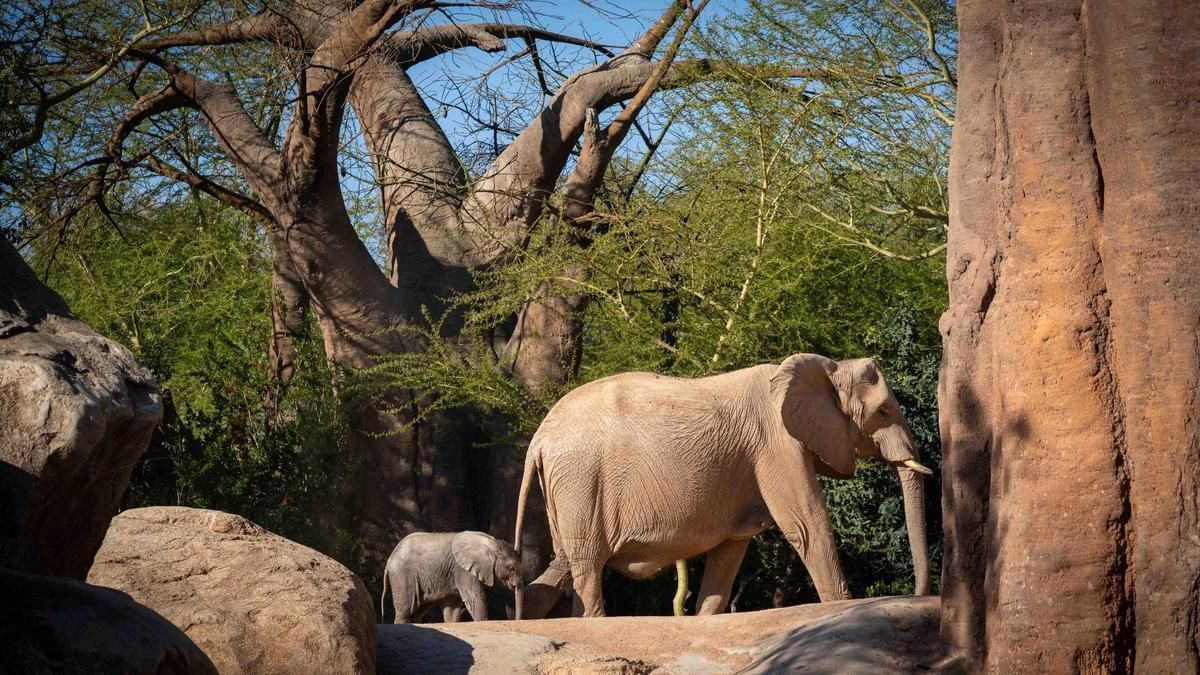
803 393
476 553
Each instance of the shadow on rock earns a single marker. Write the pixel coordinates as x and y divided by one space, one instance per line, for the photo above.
884 635
411 648
55 625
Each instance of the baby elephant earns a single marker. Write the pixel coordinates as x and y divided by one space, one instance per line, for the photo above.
448 570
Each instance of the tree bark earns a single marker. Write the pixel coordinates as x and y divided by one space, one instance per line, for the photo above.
289 307
1070 382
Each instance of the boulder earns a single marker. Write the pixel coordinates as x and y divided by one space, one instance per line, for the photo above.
56 625
252 600
76 411
876 635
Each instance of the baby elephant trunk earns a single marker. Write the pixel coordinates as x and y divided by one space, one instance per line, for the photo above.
896 445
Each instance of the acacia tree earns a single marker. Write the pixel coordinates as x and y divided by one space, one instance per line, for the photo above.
441 226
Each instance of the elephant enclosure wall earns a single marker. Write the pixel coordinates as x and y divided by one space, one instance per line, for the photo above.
1070 385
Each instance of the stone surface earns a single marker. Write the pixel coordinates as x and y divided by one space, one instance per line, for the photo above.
76 411
881 635
55 625
412 648
253 601
1070 385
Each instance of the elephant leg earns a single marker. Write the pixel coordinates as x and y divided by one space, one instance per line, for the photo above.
543 592
404 600
820 556
720 569
452 612
589 594
476 601
797 504
587 558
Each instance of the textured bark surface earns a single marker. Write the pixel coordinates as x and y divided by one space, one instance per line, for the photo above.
1070 386
254 601
53 625
76 411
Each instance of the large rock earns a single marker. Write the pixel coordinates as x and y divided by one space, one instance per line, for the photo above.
880 635
76 411
252 600
54 625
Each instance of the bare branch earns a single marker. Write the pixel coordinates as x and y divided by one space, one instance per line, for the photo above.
267 26
649 41
598 147
620 125
923 22
421 44
244 143
151 104
229 197
859 240
324 84
651 149
361 29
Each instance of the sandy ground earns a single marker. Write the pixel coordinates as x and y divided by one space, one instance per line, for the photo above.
878 635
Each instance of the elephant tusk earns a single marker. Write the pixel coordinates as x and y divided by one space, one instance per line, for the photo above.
917 466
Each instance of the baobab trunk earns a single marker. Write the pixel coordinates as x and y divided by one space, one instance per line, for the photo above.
1070 385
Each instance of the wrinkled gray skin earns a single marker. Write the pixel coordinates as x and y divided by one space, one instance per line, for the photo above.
447 570
640 470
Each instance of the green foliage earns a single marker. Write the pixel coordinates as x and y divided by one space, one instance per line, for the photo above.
455 376
188 291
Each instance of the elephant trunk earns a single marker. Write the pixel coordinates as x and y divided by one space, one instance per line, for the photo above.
913 486
519 597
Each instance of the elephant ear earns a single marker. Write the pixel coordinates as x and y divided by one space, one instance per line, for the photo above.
804 394
476 553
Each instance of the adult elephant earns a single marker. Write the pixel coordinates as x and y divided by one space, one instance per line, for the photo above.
640 470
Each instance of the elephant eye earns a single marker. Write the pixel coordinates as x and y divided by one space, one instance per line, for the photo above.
882 412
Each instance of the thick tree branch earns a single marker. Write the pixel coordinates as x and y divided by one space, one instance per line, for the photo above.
546 344
620 126
648 43
313 136
348 45
289 308
268 26
421 44
243 142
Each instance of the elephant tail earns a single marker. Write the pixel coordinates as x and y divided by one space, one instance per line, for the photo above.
383 596
532 458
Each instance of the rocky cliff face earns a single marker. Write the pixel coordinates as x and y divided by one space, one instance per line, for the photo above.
1070 387
76 411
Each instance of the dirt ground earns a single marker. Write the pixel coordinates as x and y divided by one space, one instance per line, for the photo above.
878 635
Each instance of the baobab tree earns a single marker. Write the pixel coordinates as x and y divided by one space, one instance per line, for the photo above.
1070 383
441 226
